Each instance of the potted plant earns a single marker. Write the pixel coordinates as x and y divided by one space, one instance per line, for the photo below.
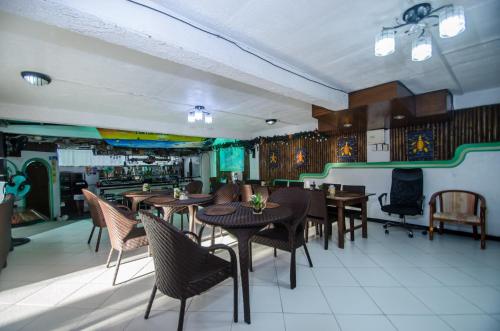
258 203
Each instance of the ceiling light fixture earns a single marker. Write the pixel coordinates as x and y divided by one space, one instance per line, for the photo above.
416 22
36 78
347 125
271 121
399 117
198 114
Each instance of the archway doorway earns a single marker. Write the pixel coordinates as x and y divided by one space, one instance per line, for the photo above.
38 199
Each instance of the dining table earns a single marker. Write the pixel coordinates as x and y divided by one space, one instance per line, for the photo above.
242 223
138 196
169 205
344 199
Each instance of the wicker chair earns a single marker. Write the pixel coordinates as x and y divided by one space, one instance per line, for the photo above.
6 209
194 187
458 207
263 190
246 192
319 215
225 194
124 234
287 236
96 215
183 268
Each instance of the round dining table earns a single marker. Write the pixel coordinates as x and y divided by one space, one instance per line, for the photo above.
171 205
243 224
137 196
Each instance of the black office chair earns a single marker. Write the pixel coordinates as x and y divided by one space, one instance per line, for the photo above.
406 197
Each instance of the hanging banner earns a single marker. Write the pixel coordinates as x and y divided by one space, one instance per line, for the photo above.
274 158
347 149
300 157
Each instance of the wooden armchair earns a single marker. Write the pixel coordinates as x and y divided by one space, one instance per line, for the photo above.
458 207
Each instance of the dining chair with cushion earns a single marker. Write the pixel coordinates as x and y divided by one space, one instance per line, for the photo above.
354 211
246 192
319 215
458 207
97 216
124 234
184 268
194 187
287 236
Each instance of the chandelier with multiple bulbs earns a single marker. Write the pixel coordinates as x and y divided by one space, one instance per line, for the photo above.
417 21
199 114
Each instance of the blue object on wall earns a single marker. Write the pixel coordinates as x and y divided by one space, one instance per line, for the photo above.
420 145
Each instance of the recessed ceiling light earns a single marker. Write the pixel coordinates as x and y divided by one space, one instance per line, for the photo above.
399 117
271 121
36 78
347 125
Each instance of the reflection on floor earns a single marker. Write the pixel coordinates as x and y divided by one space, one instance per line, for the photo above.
58 282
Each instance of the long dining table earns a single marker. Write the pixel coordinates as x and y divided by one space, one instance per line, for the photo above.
243 224
344 199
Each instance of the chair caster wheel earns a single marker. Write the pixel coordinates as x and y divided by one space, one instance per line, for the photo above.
386 231
410 234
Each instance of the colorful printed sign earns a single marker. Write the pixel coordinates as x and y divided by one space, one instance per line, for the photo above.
420 145
300 157
137 139
347 149
274 158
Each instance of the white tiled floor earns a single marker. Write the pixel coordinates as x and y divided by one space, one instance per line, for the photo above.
57 282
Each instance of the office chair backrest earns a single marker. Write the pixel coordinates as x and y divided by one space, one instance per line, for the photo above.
407 187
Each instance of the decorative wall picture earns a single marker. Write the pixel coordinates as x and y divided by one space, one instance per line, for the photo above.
274 158
420 145
300 157
347 149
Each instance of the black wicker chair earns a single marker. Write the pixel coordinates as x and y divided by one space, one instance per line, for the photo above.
194 187
287 236
184 268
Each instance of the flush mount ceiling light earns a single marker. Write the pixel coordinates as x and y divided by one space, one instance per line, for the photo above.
271 121
199 113
347 125
417 20
36 78
399 117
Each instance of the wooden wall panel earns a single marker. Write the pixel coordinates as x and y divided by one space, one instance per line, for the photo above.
317 155
467 126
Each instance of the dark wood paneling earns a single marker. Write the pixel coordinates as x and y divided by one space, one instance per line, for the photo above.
433 103
318 154
473 125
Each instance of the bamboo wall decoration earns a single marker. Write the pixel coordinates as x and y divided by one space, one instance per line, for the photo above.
466 126
318 154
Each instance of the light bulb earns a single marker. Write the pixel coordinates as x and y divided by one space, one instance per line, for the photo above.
451 21
191 117
208 118
385 43
198 115
421 48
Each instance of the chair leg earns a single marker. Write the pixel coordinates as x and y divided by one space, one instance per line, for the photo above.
181 315
327 236
212 240
308 256
474 232
275 252
321 230
351 227
150 303
182 222
235 295
306 235
98 240
293 275
431 229
483 236
91 234
441 227
109 257
250 266
118 260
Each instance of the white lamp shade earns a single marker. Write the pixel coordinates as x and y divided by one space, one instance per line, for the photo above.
451 21
191 118
208 118
421 48
385 43
198 115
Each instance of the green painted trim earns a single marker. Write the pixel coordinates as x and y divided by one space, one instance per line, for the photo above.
49 170
457 159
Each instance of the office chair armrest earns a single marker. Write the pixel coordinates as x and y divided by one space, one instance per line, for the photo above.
383 195
420 203
194 235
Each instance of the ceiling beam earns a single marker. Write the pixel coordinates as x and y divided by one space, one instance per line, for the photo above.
151 32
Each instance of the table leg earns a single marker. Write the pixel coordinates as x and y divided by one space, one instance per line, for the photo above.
340 225
192 210
135 204
364 225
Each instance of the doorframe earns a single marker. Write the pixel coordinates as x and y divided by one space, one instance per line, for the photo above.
51 185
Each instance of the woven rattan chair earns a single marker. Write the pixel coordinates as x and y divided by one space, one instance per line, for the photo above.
287 236
319 215
183 268
124 234
246 192
6 209
263 190
96 215
225 194
194 187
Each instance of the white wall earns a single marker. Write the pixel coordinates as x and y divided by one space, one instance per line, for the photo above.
254 164
477 98
479 172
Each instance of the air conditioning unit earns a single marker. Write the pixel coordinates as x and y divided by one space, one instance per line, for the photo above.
374 137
